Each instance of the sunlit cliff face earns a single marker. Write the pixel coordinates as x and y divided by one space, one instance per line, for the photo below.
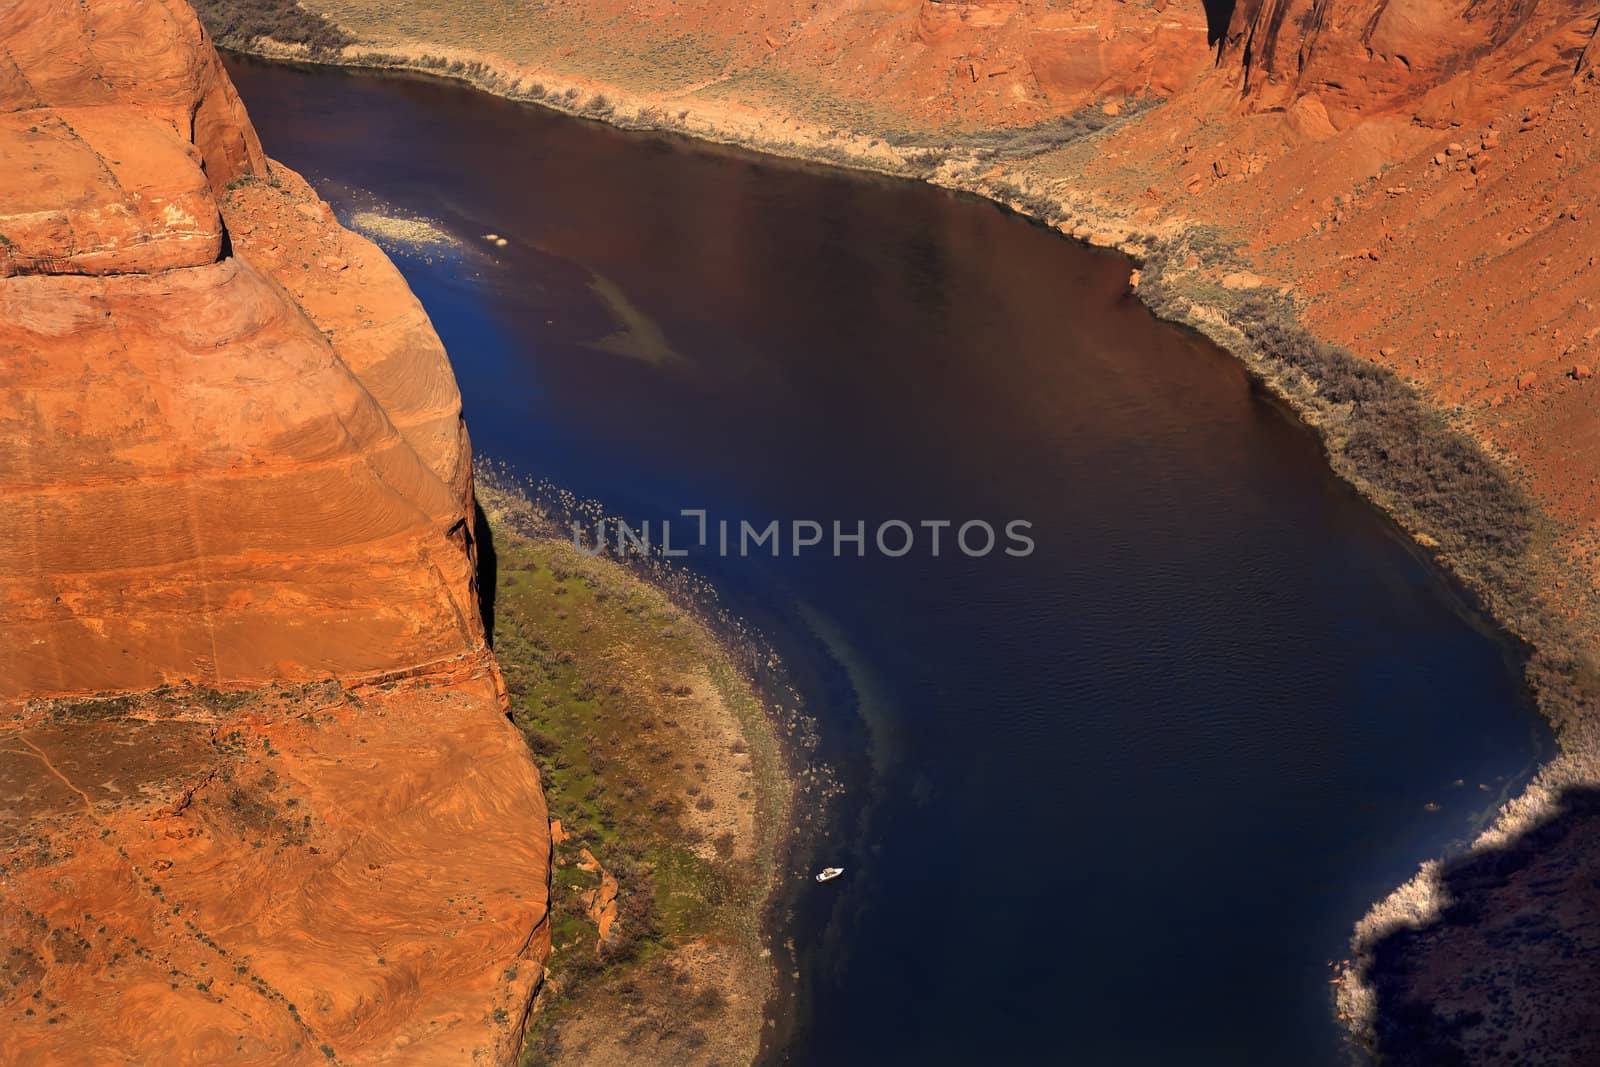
229 474
1366 57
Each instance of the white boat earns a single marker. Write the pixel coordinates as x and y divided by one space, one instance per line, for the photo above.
829 874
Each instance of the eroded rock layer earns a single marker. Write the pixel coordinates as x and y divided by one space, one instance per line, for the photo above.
259 801
1387 208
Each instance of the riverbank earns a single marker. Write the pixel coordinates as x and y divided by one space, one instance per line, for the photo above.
1482 492
669 796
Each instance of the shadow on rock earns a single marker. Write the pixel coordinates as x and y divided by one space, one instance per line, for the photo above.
1509 973
488 570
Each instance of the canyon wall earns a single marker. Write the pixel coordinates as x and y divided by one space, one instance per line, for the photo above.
893 64
1386 208
1444 62
257 780
260 797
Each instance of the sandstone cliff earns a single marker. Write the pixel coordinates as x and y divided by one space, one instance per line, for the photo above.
1398 192
1441 62
260 800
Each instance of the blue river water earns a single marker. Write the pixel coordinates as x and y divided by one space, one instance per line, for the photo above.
1118 801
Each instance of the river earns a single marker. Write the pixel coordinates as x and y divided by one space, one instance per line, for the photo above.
1117 801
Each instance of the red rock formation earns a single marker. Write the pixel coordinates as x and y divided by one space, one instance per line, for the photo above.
231 476
1376 55
198 422
1419 177
106 112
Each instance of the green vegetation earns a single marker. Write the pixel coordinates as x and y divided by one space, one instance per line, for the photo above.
272 181
658 760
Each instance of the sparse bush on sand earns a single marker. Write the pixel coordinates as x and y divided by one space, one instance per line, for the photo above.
240 23
1024 142
1375 425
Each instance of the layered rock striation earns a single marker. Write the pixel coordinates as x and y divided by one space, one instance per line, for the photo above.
1385 207
260 800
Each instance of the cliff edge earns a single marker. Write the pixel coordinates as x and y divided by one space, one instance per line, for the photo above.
1385 208
260 800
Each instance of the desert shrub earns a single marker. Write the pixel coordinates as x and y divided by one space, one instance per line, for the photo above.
540 743
1023 142
1375 425
1033 203
240 23
1396 442
709 1002
1446 477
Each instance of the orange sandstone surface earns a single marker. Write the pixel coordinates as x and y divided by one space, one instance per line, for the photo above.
260 800
1413 180
1419 178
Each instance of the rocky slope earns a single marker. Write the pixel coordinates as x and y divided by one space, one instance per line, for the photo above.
1387 209
260 797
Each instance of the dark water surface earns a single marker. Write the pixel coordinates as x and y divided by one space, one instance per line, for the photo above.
1114 803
